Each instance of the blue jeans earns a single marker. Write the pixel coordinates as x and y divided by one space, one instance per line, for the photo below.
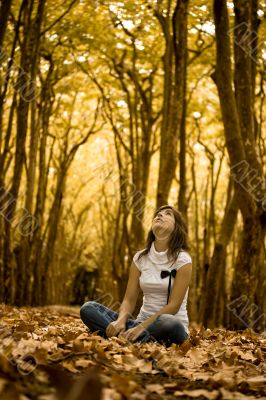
166 329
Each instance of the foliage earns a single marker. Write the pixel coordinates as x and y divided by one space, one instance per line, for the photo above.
43 349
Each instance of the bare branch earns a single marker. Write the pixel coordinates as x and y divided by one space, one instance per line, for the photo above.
59 18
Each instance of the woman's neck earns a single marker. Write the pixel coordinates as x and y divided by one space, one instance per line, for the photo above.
161 245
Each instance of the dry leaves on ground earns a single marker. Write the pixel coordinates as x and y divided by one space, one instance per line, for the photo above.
45 355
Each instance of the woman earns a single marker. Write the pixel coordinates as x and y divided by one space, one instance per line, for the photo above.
163 271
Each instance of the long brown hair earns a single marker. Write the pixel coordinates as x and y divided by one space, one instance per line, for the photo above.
179 236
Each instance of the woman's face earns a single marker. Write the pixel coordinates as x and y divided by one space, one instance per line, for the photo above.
163 224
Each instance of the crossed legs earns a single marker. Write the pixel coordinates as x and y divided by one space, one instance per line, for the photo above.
165 329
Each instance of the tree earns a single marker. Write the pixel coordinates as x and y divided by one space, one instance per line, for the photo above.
175 62
238 119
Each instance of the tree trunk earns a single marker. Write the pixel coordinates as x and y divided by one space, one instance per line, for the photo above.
194 294
175 61
252 238
216 272
35 259
23 85
52 224
24 273
182 199
4 13
4 142
240 150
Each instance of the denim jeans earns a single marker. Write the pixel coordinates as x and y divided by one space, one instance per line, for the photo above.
166 329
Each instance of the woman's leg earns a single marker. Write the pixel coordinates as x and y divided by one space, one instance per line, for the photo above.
165 329
97 317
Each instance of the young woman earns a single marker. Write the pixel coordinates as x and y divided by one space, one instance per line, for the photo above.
163 272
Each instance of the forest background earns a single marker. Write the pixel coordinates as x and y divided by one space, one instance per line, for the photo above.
110 109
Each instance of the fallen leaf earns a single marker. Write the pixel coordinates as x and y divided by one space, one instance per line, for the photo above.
123 385
155 388
84 363
213 395
257 381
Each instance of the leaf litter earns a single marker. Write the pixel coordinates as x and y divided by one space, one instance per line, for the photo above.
46 353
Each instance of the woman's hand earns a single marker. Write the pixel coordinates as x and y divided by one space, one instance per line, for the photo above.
115 327
133 333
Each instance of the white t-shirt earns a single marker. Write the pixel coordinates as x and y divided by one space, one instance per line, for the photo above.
155 288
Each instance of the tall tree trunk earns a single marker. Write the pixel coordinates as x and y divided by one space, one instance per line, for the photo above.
52 224
216 272
121 235
5 10
35 259
175 61
182 199
240 150
23 85
194 295
260 295
24 273
141 159
253 229
3 197
4 14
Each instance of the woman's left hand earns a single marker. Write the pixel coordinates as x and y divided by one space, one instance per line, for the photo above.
133 333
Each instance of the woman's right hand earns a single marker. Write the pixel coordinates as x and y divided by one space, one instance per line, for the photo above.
115 327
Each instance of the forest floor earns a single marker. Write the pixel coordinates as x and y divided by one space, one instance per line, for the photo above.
45 355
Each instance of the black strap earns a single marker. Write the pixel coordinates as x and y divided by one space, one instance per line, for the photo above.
164 274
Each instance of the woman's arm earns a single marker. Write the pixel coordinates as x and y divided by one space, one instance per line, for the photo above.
130 298
180 286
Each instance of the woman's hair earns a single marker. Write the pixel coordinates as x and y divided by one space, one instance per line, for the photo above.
178 239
